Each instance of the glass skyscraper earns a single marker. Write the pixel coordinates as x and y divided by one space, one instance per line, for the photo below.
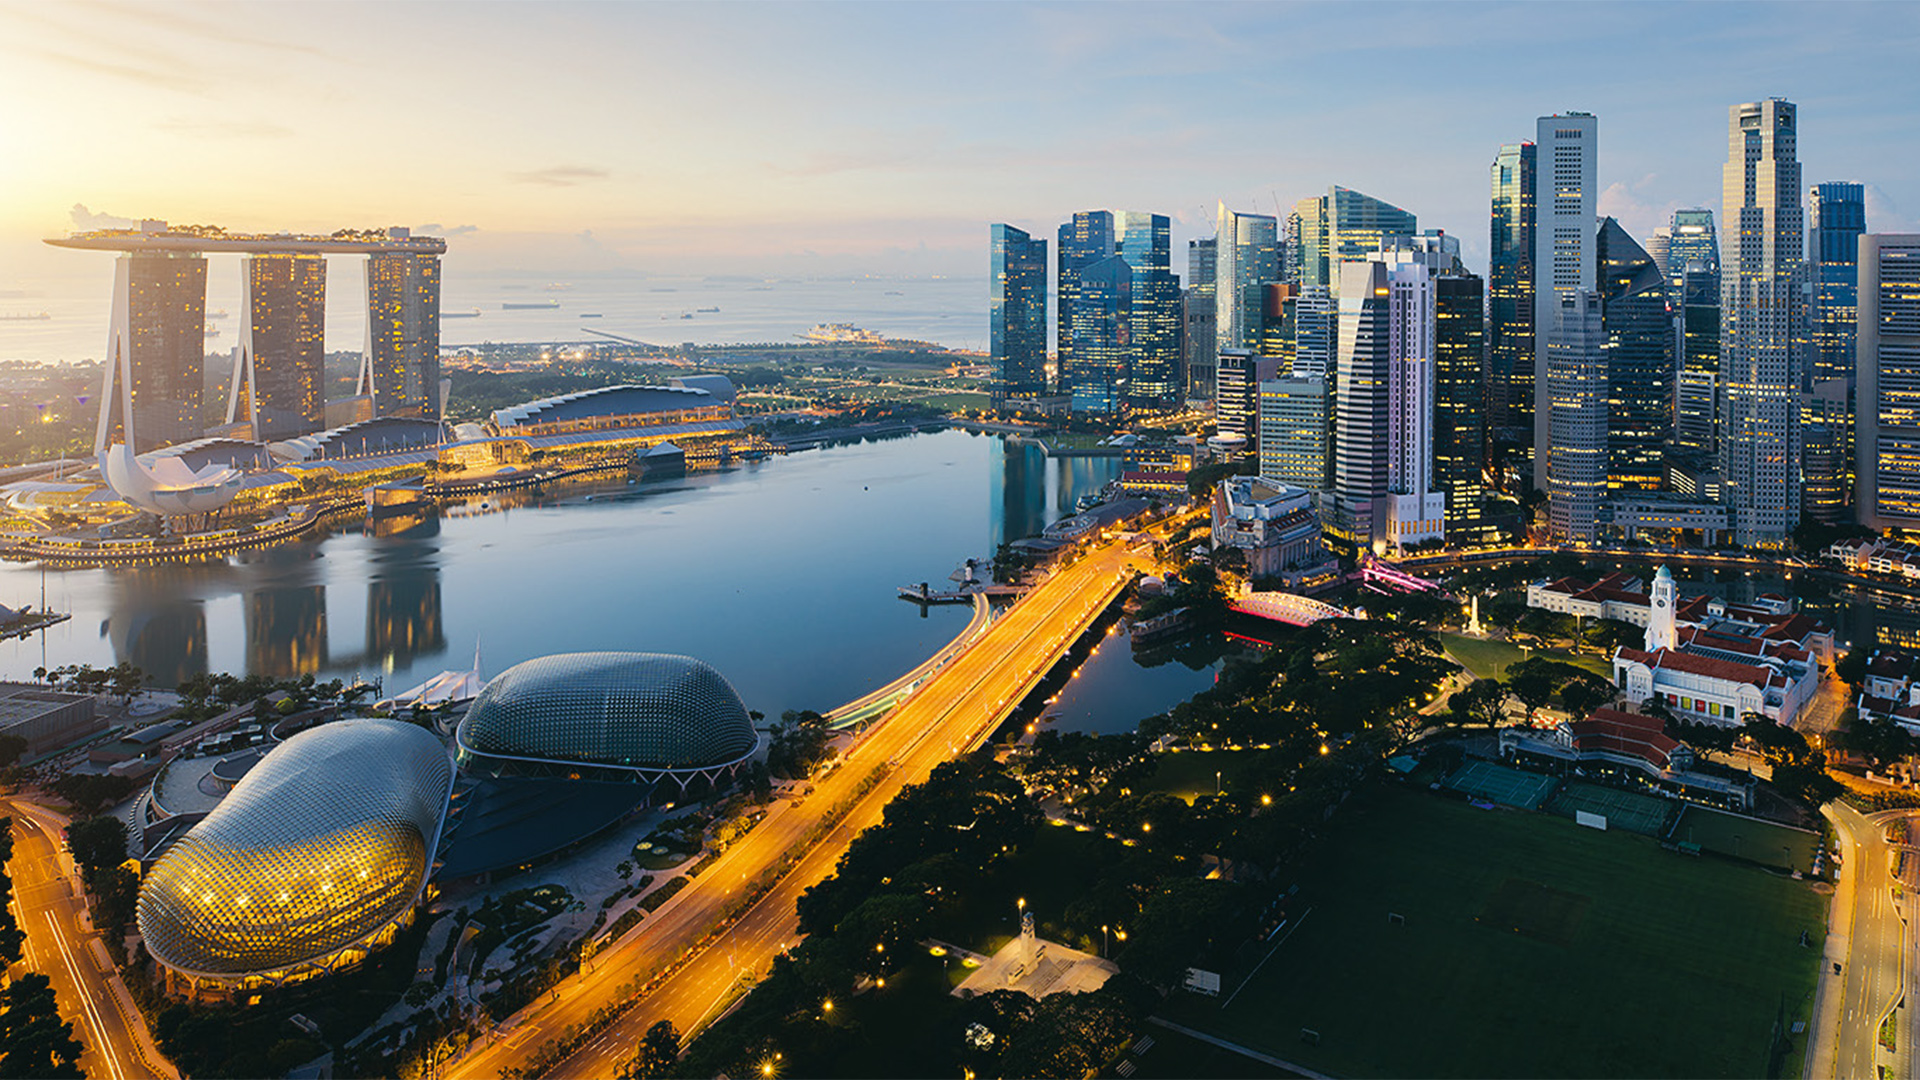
156 350
1344 226
1887 491
1096 376
1510 290
1638 359
1563 255
1692 239
282 357
1086 239
1247 253
1459 415
1153 314
1838 216
1017 315
1202 340
1697 409
403 333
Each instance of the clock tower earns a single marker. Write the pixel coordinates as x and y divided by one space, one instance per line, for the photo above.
1661 632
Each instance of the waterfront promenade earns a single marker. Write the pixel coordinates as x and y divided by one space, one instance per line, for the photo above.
688 961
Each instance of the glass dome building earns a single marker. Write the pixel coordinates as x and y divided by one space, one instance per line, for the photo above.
317 857
644 718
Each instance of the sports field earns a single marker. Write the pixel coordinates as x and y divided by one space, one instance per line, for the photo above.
1529 947
1745 838
1644 814
1509 787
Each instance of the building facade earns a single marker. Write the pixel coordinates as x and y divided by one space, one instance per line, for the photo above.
282 357
1247 257
1697 396
1085 240
156 348
1017 315
1639 360
1837 217
1202 338
1155 381
402 369
1887 360
1564 258
1095 373
1510 290
1295 431
1576 412
1459 405
1759 447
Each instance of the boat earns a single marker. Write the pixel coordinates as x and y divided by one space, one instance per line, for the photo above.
212 332
218 315
686 314
26 316
893 292
590 315
844 333
707 310
531 305
560 286
474 314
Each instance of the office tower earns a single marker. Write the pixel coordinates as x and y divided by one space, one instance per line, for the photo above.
1696 400
282 355
1291 248
1826 450
156 345
1096 374
1416 508
1341 226
1510 290
1638 360
1086 239
1575 443
1017 315
1360 404
1657 246
1307 231
1838 215
1887 357
1563 245
1459 405
1202 339
1247 257
1759 380
1294 431
1237 407
1313 319
1154 382
402 365
1691 239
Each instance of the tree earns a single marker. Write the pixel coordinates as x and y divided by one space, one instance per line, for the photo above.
658 1053
90 793
1584 694
1531 682
34 1042
1852 668
97 843
1484 701
12 940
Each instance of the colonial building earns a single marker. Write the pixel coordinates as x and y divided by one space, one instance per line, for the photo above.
1720 670
1629 749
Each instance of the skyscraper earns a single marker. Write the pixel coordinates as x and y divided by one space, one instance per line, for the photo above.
1638 360
156 348
281 360
402 364
1307 237
1237 408
1760 383
1017 315
1696 403
1096 374
1692 239
1886 423
1202 339
1574 448
1342 226
1510 290
1838 218
1247 257
1563 254
1416 507
1360 404
1826 450
1294 431
1459 406
1154 382
1086 239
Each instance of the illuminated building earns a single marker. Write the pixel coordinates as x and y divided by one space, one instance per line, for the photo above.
1638 360
1017 315
1246 257
1459 402
1236 407
1760 303
1575 446
1696 402
1202 338
1085 240
1096 374
1837 218
316 857
282 357
1886 417
1294 431
155 350
1152 346
1691 239
1826 450
1343 226
1563 252
401 368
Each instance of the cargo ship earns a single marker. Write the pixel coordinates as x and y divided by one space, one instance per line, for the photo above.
844 334
531 305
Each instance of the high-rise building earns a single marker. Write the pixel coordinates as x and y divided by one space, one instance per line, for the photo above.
1237 408
1247 257
1638 360
1154 380
1295 432
1826 451
1459 404
1510 290
1837 218
1017 315
402 364
1096 374
1416 507
282 356
1691 239
1760 384
1696 401
156 347
1887 357
1657 246
1312 319
1563 253
1575 444
1307 241
1342 226
1360 404
1202 339
1086 239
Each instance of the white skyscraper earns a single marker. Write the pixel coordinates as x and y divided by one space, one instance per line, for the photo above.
1563 256
1415 511
1765 238
1574 459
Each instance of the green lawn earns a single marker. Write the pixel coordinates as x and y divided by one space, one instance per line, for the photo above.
1490 659
1746 838
1530 947
1189 774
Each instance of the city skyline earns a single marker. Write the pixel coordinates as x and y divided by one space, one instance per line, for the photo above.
885 157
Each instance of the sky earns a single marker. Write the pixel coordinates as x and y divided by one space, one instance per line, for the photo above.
562 140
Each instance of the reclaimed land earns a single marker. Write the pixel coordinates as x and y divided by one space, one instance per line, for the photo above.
1530 947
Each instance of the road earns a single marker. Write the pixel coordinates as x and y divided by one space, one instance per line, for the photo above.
61 946
1868 939
954 711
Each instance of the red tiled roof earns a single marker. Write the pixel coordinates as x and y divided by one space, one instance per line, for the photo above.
1625 733
1727 670
1796 627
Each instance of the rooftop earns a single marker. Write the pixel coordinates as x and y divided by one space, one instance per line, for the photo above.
159 236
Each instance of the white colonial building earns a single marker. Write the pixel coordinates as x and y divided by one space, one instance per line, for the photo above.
1720 672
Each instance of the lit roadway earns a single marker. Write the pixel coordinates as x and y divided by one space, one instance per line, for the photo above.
956 710
1871 943
62 946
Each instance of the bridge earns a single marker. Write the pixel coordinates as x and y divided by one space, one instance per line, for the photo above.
686 961
877 703
1384 577
1285 607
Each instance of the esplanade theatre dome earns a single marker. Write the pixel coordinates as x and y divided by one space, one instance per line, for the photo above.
314 858
605 714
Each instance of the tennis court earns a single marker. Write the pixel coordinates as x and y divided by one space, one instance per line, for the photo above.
1509 787
1643 814
1746 838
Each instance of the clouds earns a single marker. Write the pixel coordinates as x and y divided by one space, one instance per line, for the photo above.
561 176
434 228
85 220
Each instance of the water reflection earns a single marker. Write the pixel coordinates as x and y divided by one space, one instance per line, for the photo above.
403 596
286 621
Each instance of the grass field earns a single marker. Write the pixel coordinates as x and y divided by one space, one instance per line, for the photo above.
1530 947
1490 659
1644 814
1745 838
1190 773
